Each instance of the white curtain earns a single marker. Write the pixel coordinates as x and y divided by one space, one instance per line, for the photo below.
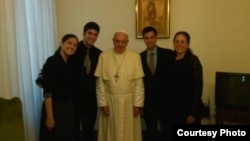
28 37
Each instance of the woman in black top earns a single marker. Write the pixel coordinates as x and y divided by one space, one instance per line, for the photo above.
185 98
187 80
57 121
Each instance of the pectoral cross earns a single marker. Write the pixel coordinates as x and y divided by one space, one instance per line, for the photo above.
116 77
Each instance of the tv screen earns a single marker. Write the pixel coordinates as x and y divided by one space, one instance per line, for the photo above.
232 91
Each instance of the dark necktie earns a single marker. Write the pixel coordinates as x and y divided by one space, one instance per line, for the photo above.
87 62
152 62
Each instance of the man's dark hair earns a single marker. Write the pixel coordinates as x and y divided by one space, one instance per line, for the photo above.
149 29
91 25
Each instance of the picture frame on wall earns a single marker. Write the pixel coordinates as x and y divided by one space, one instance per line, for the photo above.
153 13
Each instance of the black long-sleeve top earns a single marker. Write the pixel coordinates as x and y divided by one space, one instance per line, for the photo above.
59 78
188 85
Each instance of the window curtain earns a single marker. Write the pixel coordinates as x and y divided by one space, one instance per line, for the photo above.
28 37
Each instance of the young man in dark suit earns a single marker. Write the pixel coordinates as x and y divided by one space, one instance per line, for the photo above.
84 61
157 64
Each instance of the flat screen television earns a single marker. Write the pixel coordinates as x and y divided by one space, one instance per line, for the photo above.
232 91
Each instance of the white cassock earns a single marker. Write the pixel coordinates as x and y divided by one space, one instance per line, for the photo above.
119 86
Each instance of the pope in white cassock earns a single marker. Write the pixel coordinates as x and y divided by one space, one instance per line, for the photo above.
120 92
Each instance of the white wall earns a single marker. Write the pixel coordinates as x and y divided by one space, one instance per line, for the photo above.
219 30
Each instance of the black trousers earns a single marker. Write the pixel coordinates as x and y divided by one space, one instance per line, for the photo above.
85 118
152 117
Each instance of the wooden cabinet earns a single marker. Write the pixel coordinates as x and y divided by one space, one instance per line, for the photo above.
232 116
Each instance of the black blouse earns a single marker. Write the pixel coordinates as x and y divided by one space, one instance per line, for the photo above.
60 79
188 83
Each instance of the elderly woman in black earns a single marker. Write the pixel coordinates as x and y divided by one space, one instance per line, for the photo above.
185 99
188 80
57 121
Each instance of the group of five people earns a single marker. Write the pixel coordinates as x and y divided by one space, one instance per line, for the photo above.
160 85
